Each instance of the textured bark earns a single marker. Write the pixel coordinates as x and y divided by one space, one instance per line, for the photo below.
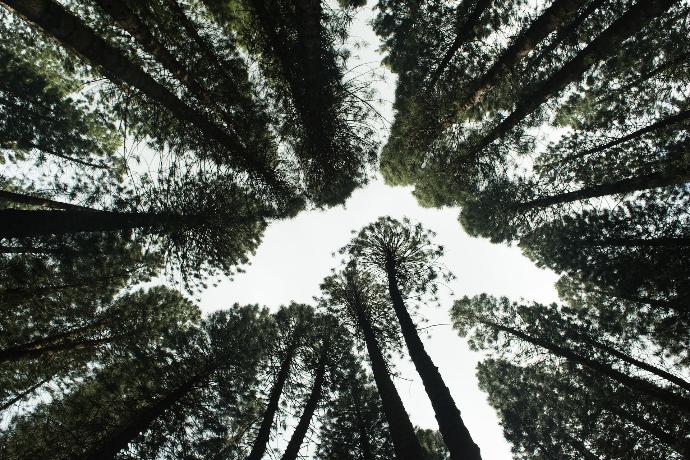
606 43
405 443
455 434
466 32
264 433
549 21
71 32
293 447
21 223
662 394
20 198
139 422
623 186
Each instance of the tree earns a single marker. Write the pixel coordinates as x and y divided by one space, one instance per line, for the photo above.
404 256
356 296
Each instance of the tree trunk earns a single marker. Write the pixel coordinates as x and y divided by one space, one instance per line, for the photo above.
465 33
629 359
668 121
59 342
21 223
72 33
293 447
455 435
139 421
24 394
662 394
20 198
405 443
264 433
624 186
364 441
606 43
580 447
549 21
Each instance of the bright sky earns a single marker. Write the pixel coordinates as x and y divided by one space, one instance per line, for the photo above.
297 254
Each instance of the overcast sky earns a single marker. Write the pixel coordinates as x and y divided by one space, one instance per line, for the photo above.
297 254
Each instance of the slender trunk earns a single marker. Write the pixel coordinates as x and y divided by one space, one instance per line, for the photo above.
28 145
679 445
662 394
549 21
663 123
21 223
264 434
24 394
405 442
293 447
49 350
71 32
465 33
455 434
21 198
629 359
623 186
58 342
130 22
606 43
140 421
364 441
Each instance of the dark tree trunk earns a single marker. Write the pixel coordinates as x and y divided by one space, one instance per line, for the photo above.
405 443
364 441
21 223
623 186
70 31
662 394
264 433
466 32
20 198
293 447
455 435
23 394
606 43
549 21
68 340
140 421
629 359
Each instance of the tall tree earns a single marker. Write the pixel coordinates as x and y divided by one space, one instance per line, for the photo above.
403 254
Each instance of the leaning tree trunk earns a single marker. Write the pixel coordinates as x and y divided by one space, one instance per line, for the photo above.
667 178
140 421
264 434
72 33
661 394
465 33
18 397
21 223
608 42
21 198
549 21
405 443
293 447
455 434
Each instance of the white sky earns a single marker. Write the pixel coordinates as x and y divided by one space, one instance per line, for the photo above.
296 255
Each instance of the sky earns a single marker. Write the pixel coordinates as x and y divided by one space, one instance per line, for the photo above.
296 255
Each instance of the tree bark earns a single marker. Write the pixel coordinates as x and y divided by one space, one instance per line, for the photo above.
635 383
21 223
24 394
455 434
264 433
672 176
405 443
293 447
139 422
465 33
549 21
632 21
21 198
364 441
57 342
72 33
